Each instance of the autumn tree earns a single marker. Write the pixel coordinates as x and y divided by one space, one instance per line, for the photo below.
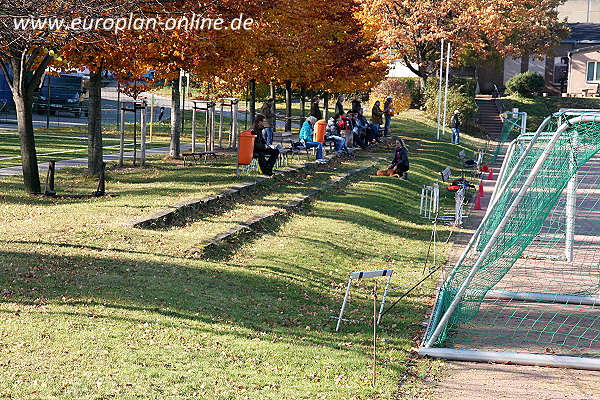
204 52
477 29
313 45
26 52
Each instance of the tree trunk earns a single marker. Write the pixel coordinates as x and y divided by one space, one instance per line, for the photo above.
288 106
303 101
31 175
95 156
252 101
23 106
175 147
273 95
420 71
326 105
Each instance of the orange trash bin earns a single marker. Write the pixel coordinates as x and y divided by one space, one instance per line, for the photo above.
246 147
320 127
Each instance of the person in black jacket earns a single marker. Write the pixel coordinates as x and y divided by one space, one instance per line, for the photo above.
339 106
356 106
262 149
315 111
400 164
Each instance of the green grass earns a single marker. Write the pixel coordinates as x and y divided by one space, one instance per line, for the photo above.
538 108
94 310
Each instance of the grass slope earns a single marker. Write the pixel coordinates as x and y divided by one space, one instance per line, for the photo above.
538 108
93 310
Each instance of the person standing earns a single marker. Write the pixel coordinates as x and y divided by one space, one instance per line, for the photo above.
339 106
306 137
388 111
376 121
269 112
356 106
262 149
455 127
315 110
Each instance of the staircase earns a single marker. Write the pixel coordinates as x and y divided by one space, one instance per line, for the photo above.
488 116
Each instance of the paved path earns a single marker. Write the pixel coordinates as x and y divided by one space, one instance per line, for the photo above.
110 100
78 162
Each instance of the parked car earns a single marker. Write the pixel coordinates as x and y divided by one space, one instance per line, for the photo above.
6 99
63 93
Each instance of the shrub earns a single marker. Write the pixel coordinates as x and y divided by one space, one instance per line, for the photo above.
414 88
465 84
392 87
526 83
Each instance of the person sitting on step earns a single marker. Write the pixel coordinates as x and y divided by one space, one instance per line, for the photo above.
262 149
306 137
332 133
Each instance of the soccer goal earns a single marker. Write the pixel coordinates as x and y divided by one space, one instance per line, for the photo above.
526 289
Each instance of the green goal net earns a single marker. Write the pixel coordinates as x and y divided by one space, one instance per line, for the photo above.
528 282
513 123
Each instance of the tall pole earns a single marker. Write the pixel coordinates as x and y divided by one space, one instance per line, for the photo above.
152 117
288 106
119 114
183 94
193 127
571 199
273 95
134 131
374 333
252 100
234 124
446 88
440 90
246 110
143 134
122 135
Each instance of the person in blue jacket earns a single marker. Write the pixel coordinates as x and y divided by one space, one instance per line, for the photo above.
306 137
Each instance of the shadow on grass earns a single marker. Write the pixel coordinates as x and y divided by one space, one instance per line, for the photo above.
180 290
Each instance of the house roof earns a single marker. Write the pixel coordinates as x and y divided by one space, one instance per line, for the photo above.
584 33
586 49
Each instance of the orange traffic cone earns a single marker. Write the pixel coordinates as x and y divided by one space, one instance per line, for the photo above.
480 191
491 175
477 205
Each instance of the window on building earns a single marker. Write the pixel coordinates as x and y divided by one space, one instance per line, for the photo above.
560 69
593 71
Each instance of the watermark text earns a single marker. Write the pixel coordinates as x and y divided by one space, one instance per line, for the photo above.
193 22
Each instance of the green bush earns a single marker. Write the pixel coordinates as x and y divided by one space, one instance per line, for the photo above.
526 84
456 101
392 87
465 84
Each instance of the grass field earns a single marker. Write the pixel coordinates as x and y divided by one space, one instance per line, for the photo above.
94 310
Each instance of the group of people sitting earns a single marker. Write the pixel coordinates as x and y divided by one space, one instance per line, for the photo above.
339 126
